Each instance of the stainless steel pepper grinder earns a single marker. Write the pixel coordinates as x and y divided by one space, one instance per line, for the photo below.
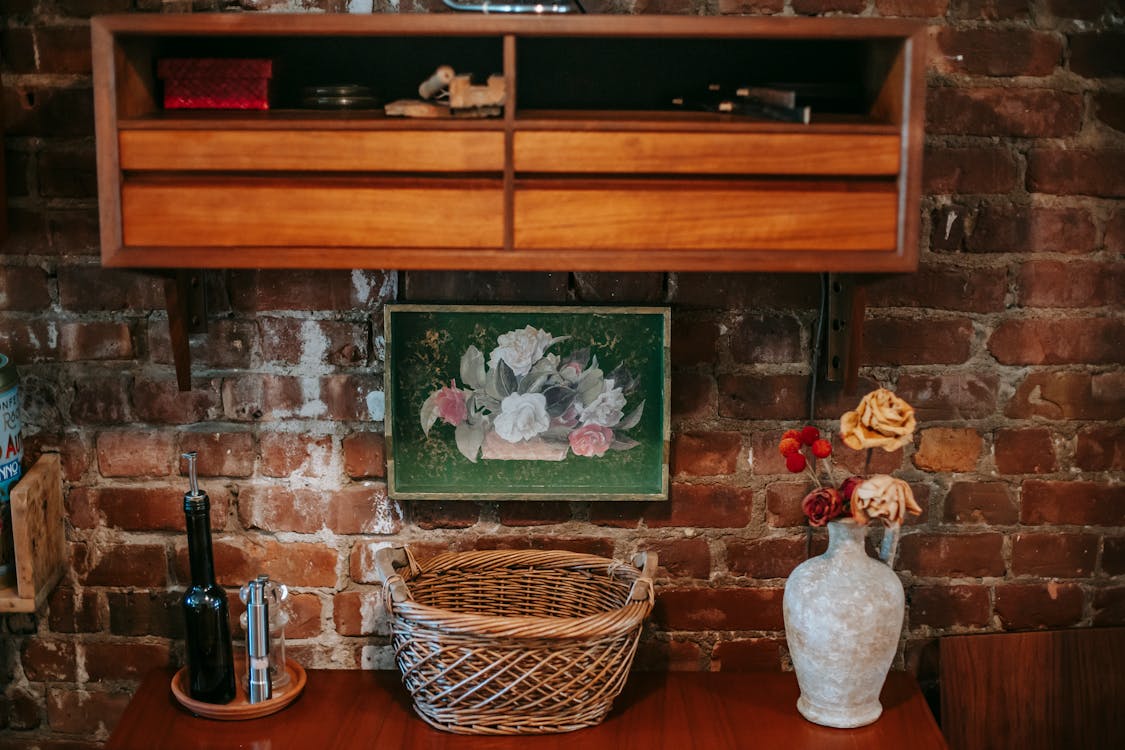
259 687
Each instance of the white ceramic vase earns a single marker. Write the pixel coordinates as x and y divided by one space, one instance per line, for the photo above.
843 618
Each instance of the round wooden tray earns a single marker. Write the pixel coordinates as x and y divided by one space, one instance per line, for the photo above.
240 708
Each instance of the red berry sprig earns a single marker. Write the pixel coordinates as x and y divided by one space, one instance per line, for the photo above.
793 444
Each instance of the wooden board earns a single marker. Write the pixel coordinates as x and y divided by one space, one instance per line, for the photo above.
1034 691
37 528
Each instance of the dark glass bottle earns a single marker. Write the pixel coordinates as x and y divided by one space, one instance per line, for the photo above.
210 656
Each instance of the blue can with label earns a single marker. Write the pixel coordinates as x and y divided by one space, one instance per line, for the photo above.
11 454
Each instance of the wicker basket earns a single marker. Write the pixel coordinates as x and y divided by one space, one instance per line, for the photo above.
524 642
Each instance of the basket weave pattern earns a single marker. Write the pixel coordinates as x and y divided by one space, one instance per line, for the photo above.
525 642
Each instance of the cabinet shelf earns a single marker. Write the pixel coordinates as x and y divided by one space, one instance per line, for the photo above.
40 541
589 99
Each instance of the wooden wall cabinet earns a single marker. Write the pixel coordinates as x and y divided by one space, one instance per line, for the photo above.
590 166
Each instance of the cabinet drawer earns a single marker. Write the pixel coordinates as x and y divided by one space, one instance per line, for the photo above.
707 153
707 216
311 213
313 150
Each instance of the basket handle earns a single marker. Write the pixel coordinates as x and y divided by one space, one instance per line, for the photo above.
388 560
642 589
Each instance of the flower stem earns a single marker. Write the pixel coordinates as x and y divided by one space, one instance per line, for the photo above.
867 462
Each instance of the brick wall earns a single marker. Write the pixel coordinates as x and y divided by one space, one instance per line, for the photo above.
1009 341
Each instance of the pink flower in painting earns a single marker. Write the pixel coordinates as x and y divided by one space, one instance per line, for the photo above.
591 440
450 404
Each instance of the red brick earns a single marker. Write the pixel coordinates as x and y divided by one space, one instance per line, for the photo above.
161 401
633 288
227 344
701 505
1100 449
848 461
1072 503
723 291
1098 54
354 509
962 289
53 49
1055 341
294 563
84 712
72 611
783 504
24 288
719 609
1115 232
48 660
949 606
313 342
21 710
73 232
27 341
681 558
93 289
123 660
1099 173
693 395
705 454
1054 554
139 508
766 339
768 557
257 291
458 514
1109 606
141 613
95 341
667 656
1025 451
1069 395
949 397
134 454
694 341
762 396
969 170
143 565
304 612
494 287
346 396
1110 109
991 10
101 399
814 7
359 612
1113 555
747 655
1049 605
953 555
1052 283
1031 229
586 545
981 502
287 453
361 564
68 172
912 8
1088 10
995 52
365 455
48 110
904 341
220 454
948 449
1020 112
265 397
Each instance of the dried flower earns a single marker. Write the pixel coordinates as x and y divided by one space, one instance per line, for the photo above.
822 505
794 434
809 435
882 420
883 497
789 446
822 449
847 487
795 462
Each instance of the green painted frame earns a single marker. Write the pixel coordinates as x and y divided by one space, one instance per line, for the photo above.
572 404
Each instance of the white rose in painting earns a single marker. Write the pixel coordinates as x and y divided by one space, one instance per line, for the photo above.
520 349
606 409
522 416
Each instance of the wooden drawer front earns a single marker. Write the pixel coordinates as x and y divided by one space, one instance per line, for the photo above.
706 218
308 214
318 150
703 153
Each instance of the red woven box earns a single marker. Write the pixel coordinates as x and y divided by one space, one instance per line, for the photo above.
215 83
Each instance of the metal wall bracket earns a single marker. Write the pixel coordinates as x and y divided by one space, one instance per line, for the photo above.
846 306
185 300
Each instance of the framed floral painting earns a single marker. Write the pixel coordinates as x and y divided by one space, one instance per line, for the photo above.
528 403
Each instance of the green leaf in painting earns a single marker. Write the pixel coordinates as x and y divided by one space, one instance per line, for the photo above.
631 421
469 439
472 368
429 412
590 386
507 382
623 444
559 398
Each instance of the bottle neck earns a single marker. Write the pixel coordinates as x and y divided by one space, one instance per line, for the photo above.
199 546
846 538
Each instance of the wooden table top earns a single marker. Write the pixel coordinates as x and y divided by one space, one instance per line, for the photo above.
345 710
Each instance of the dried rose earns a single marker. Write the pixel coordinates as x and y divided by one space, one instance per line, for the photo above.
795 462
822 505
882 420
883 497
848 487
789 446
822 449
